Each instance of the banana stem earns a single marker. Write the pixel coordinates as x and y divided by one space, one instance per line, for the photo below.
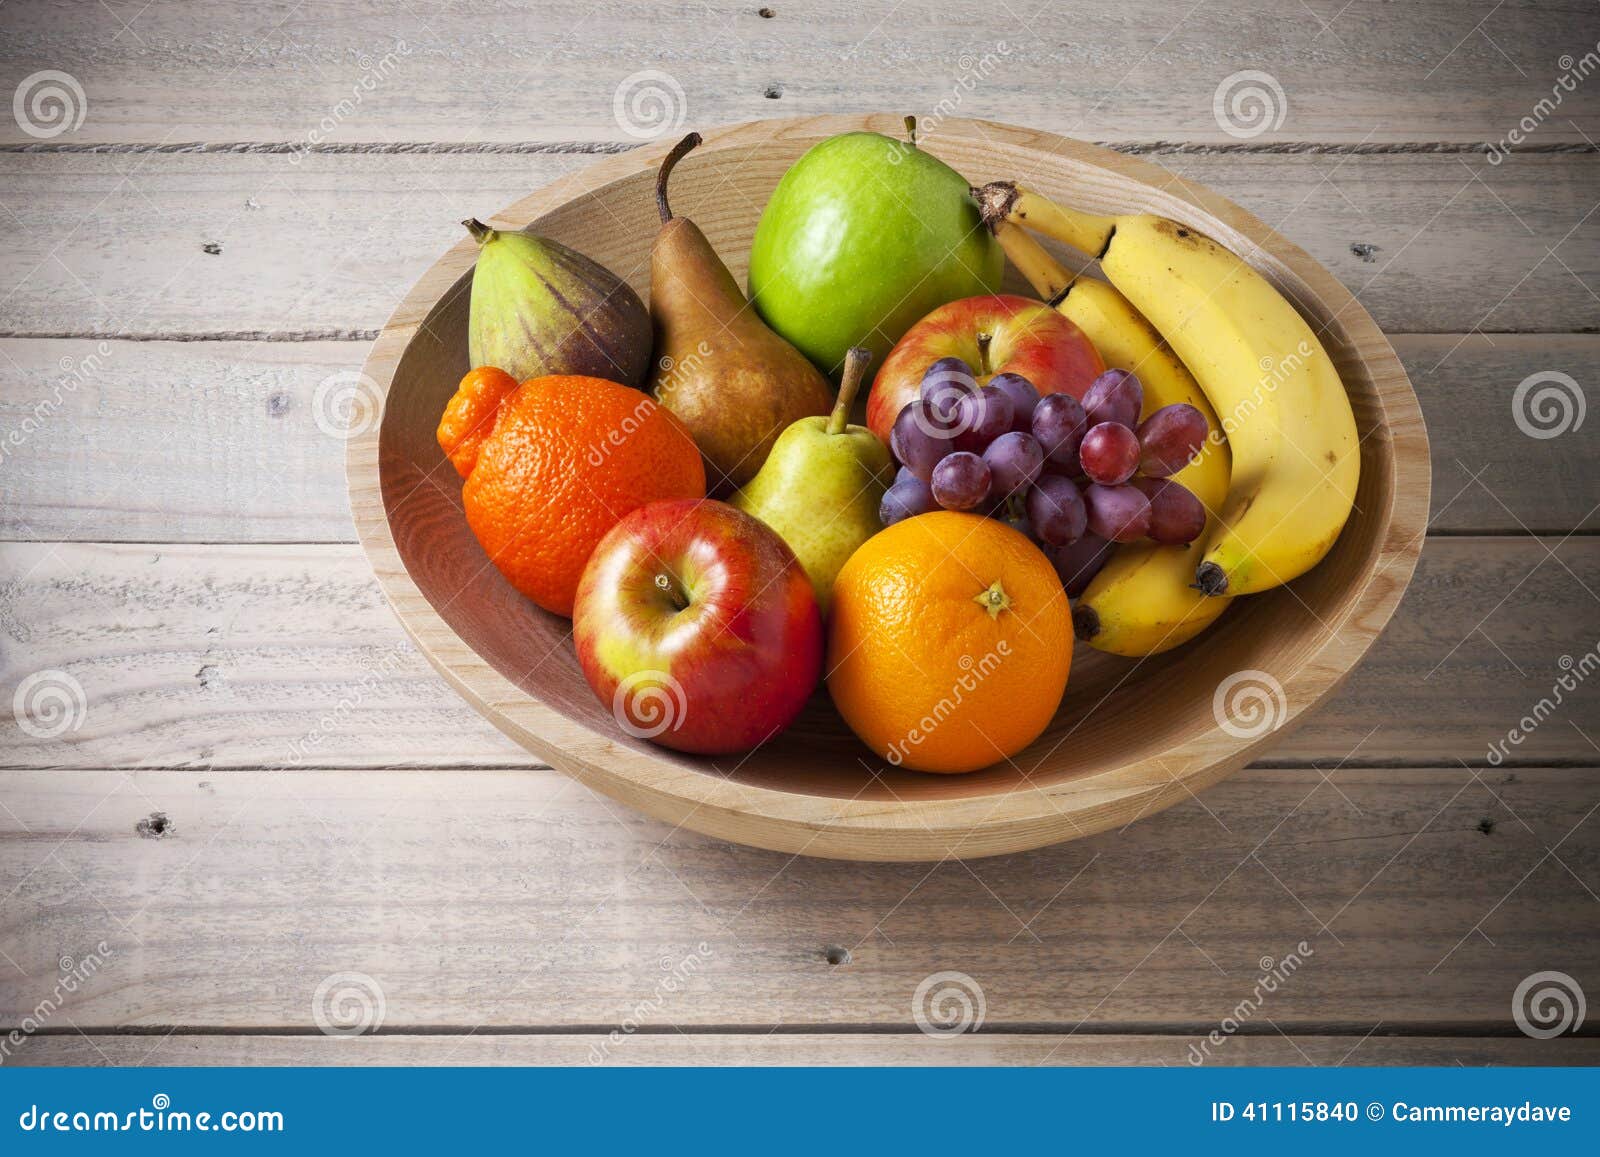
855 368
679 151
1009 201
1048 276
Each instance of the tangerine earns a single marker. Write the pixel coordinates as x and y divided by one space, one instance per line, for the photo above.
950 642
566 459
470 415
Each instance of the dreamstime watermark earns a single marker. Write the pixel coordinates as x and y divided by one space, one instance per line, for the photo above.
1274 975
1575 671
76 372
947 1004
675 977
49 103
1548 404
1548 1004
941 414
48 704
648 704
973 673
72 975
1573 74
374 74
1274 373
649 103
1249 704
346 404
1248 103
348 1004
333 722
673 375
972 70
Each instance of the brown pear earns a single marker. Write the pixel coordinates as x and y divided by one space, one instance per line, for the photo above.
733 382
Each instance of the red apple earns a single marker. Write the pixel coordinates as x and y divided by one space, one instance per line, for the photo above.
995 334
697 627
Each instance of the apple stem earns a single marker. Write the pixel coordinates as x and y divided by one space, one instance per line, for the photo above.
670 589
679 151
480 232
983 353
855 368
911 131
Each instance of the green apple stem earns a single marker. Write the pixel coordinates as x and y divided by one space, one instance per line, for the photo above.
855 368
481 233
679 151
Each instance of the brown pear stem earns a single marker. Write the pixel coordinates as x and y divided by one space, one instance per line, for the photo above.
855 368
480 232
679 151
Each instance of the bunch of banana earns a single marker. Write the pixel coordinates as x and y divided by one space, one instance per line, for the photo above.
1143 601
1296 456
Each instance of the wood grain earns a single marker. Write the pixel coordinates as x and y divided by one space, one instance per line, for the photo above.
115 244
830 1049
517 898
238 656
219 442
359 70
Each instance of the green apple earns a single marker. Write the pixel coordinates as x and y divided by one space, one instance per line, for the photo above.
863 237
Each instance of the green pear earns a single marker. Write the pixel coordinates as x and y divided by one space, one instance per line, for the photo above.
821 486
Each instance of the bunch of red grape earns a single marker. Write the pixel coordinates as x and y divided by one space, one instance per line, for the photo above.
1074 476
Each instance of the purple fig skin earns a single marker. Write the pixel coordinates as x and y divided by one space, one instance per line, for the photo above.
541 308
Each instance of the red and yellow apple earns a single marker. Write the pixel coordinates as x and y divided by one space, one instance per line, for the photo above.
697 627
994 334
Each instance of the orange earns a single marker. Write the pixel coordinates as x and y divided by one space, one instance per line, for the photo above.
950 642
566 459
469 416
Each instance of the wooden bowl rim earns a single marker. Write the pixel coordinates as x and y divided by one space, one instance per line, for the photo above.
1030 815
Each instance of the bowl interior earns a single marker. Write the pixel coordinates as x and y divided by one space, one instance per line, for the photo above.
1116 712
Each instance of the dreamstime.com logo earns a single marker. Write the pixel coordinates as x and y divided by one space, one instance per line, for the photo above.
973 672
1574 672
48 704
160 1117
674 978
1274 975
948 1004
1249 704
1548 404
648 104
348 1004
72 975
1548 1004
49 103
346 404
1248 103
971 70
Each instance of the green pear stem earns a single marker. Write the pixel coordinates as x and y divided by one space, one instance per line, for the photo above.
855 368
911 131
679 151
481 233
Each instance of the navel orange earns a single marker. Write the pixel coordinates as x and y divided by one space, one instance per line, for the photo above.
950 642
567 458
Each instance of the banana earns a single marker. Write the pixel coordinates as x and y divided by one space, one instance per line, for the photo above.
1296 456
1143 601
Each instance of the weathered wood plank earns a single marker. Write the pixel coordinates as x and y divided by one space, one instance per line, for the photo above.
516 899
253 656
829 1049
220 441
361 70
116 244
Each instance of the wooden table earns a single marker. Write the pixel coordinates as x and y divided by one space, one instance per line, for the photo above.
188 272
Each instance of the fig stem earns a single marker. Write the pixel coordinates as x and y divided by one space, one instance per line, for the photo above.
855 368
679 151
480 232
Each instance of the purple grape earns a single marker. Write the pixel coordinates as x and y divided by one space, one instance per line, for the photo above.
1078 562
981 418
1176 515
1056 509
1120 513
906 499
919 440
1015 459
904 473
1023 397
1169 438
1059 424
961 481
1115 396
1109 454
944 384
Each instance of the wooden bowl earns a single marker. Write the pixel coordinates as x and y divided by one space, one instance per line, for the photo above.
1131 737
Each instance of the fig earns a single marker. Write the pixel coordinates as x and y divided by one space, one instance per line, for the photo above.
541 308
